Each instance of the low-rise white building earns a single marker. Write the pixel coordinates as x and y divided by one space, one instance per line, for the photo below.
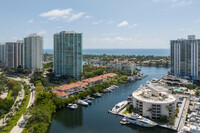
154 101
123 64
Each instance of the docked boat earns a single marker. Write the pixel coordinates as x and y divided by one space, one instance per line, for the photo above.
81 102
118 107
72 106
97 94
139 120
89 98
123 121
87 101
106 90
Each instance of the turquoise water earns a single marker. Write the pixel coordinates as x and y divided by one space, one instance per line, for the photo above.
155 52
176 89
96 119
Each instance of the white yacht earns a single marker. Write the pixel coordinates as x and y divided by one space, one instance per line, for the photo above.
72 106
106 90
87 101
118 107
81 102
97 94
139 120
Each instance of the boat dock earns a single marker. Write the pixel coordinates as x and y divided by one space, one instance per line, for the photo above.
179 121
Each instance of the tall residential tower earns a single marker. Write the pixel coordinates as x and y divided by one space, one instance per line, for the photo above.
14 54
68 54
33 45
2 52
185 57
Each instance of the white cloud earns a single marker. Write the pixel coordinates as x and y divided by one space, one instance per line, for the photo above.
197 20
136 41
180 3
57 13
122 24
42 32
76 16
30 21
88 17
175 3
97 22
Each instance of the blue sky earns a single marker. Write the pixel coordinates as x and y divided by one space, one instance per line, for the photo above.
104 23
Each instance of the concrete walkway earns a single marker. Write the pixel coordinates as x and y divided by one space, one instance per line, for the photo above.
22 122
4 94
19 97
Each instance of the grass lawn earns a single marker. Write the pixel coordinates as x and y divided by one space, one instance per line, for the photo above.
125 112
9 96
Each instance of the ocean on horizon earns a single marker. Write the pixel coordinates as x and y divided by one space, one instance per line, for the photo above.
154 52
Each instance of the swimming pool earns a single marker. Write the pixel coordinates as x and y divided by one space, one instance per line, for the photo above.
176 89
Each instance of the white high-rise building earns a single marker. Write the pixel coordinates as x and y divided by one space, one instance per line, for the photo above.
14 54
33 46
2 52
185 55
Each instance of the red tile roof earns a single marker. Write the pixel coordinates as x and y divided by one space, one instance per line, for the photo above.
81 84
59 93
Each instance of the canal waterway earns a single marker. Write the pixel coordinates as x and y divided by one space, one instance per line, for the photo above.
96 119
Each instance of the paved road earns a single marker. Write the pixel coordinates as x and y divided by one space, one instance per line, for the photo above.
17 128
178 118
182 121
19 97
4 94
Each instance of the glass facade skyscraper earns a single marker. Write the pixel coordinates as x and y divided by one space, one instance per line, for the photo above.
185 57
33 46
68 54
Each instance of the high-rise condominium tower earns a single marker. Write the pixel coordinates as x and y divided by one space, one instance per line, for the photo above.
14 54
185 57
2 52
68 54
33 46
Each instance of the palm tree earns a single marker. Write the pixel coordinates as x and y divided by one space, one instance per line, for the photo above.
150 111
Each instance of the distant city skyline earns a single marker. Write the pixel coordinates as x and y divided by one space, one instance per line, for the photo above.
129 24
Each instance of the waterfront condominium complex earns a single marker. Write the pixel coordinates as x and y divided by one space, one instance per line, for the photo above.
14 54
154 100
68 54
2 52
185 57
33 45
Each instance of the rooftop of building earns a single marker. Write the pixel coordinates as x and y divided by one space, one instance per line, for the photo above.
60 93
33 35
146 94
68 32
157 87
171 78
190 37
83 83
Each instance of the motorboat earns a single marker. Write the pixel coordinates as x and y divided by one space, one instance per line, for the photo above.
89 98
106 90
97 94
87 101
72 106
123 121
81 102
118 107
139 120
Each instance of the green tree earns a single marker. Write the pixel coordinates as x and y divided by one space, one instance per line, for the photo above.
11 84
